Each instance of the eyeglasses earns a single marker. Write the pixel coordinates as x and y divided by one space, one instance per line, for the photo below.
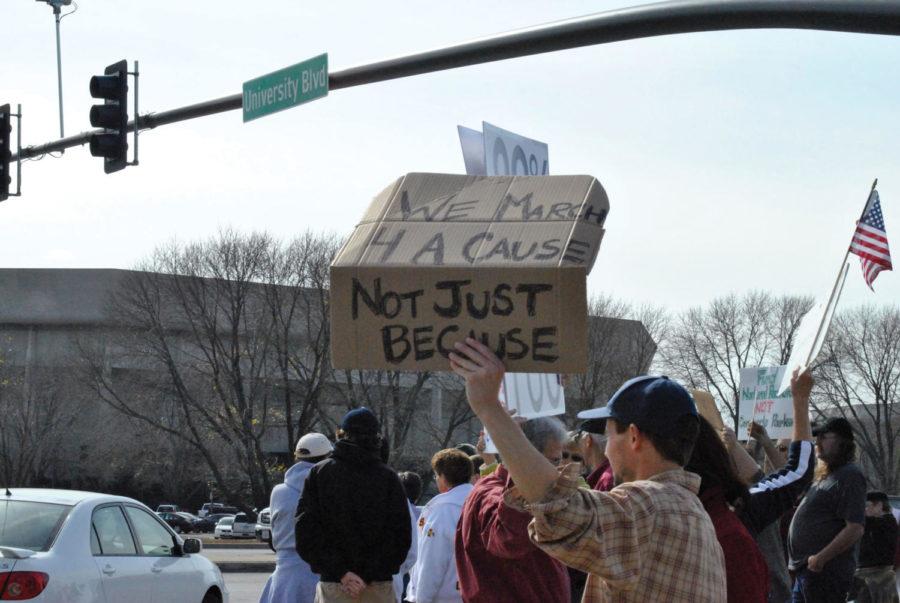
570 456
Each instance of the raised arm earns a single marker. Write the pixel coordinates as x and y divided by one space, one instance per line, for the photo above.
532 473
801 387
759 433
778 492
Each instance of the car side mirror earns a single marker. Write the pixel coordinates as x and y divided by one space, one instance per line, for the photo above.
191 546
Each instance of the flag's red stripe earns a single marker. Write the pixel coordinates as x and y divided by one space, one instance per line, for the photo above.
878 247
862 251
880 261
874 233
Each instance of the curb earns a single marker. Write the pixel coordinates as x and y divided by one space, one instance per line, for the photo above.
262 567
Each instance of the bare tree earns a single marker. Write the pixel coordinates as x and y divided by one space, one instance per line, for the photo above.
213 353
621 345
34 413
859 379
297 296
708 346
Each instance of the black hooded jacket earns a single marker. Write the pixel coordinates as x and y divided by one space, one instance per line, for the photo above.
353 516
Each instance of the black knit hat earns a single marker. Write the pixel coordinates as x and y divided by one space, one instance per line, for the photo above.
360 421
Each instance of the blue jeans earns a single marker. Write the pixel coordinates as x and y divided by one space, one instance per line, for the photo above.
827 586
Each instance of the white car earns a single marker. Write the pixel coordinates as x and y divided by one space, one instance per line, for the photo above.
65 546
264 525
235 526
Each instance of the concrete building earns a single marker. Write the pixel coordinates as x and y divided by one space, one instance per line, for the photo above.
49 316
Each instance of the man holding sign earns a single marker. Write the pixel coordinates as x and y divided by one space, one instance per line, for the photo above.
649 539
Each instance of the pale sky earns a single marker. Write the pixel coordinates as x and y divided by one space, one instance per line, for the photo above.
732 160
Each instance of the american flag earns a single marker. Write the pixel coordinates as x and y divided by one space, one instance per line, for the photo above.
870 241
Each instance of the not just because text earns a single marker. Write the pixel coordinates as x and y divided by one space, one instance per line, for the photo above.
427 323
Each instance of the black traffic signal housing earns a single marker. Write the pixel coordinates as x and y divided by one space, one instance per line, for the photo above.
112 115
5 155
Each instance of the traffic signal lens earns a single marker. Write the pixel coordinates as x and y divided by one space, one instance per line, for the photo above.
107 86
106 145
106 116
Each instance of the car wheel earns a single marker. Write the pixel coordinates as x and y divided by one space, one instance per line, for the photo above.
211 597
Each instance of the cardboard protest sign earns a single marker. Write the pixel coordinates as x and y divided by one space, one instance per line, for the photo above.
707 408
760 402
438 257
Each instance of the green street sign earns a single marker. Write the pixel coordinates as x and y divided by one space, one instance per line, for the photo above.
286 88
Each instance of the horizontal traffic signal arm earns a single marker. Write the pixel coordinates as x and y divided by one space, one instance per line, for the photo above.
681 16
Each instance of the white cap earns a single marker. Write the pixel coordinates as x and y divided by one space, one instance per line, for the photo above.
312 445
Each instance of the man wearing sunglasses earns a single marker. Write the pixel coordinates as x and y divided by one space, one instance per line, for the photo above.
593 449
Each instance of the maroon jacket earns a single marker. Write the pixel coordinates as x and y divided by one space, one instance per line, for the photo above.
601 478
495 559
746 571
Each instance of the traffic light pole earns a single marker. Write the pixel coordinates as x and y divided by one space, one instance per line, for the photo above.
666 18
56 13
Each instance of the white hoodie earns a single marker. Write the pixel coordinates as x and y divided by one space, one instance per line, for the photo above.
293 580
433 579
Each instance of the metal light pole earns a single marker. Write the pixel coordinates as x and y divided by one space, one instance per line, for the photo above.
56 5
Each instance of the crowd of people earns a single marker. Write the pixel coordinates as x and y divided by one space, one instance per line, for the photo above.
643 501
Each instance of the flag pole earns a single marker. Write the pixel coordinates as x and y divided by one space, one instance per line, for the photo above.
837 280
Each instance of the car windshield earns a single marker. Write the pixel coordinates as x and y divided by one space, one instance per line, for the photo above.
226 521
30 525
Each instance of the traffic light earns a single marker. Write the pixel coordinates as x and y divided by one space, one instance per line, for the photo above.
5 132
112 115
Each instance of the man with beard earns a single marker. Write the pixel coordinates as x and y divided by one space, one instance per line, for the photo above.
830 520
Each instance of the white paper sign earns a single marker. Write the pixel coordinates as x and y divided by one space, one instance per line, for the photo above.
509 154
812 332
472 143
531 395
761 402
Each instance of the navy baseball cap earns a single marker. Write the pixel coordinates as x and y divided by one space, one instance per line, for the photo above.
652 403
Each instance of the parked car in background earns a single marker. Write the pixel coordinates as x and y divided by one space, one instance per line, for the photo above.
178 523
213 508
189 516
167 509
235 526
207 524
264 525
64 546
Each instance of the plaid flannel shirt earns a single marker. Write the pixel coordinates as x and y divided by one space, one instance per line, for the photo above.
649 540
